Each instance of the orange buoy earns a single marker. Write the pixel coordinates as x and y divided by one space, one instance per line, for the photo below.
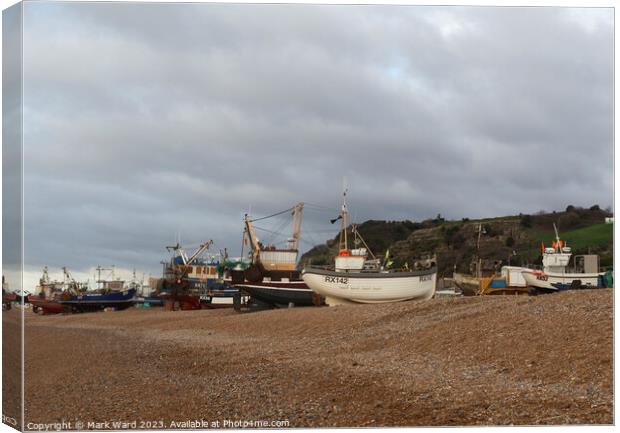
344 253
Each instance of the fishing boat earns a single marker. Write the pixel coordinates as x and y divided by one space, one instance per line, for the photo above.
194 281
272 278
358 277
110 293
100 299
554 276
48 293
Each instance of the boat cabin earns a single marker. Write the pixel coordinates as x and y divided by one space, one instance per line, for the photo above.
351 260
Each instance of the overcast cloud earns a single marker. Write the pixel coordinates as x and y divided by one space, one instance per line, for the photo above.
144 120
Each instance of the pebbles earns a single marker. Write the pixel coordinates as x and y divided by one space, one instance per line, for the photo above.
469 361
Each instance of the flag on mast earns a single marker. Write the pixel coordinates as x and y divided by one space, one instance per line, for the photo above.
336 219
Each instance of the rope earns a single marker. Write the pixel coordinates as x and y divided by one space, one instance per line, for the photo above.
319 208
271 216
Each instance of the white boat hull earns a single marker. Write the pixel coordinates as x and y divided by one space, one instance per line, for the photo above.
366 288
553 282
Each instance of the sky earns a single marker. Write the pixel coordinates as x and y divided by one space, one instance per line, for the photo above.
148 122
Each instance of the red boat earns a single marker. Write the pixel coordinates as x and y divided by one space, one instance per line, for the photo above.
8 299
45 305
48 294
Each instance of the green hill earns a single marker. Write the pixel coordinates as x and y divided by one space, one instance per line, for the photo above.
514 240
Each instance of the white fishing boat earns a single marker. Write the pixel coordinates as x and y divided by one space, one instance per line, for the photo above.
554 276
358 277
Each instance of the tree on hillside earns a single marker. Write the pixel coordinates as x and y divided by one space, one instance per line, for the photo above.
526 221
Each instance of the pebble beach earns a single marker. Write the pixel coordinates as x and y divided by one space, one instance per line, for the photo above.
495 360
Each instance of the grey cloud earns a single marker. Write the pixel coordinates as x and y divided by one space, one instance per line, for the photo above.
145 119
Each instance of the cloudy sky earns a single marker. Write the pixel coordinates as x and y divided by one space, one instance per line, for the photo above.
144 121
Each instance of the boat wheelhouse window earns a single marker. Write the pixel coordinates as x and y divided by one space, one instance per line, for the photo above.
190 269
198 270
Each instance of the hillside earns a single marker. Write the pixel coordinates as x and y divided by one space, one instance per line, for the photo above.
514 240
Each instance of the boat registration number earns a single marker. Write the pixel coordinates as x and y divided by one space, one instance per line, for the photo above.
542 277
426 277
341 280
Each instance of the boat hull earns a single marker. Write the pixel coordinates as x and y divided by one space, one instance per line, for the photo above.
554 282
371 288
46 306
153 301
8 299
468 284
280 294
219 298
99 301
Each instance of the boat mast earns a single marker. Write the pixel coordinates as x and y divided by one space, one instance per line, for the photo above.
557 238
358 235
45 279
202 248
344 244
99 280
249 228
478 260
297 215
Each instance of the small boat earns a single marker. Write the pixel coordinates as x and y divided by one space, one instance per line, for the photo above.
356 278
480 271
150 300
554 276
272 278
468 284
510 282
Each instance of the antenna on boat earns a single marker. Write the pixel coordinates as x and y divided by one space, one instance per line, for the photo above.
344 244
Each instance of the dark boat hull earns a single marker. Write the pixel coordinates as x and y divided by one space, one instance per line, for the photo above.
280 295
97 301
153 301
185 302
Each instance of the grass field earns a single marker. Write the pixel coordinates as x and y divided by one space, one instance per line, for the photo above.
592 236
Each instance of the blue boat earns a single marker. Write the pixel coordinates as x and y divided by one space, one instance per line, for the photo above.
98 300
109 294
